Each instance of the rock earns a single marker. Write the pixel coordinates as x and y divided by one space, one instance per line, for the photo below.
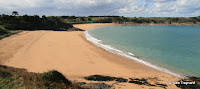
99 85
190 86
105 78
100 78
121 80
81 83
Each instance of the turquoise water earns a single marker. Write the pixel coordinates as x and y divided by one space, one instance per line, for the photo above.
176 48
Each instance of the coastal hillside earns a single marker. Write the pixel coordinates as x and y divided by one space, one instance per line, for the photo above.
20 78
35 22
11 24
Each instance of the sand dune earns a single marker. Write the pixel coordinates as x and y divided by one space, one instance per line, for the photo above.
75 57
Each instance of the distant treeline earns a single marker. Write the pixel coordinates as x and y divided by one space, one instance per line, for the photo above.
142 20
74 17
166 20
10 23
104 16
69 17
26 22
132 20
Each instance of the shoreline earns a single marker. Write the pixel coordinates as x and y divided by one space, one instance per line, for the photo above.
113 50
75 57
126 58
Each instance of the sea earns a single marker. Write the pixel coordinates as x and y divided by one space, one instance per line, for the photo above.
171 49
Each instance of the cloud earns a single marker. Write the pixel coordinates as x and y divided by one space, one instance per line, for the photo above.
136 10
61 7
15 4
160 0
103 7
175 7
89 6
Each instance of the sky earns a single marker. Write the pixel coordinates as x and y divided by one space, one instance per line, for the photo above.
128 8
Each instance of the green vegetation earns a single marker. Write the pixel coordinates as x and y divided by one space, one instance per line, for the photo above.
11 24
26 22
20 78
6 33
3 30
132 20
15 13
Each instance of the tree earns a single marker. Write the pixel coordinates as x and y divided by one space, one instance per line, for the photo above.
125 19
44 17
72 17
175 19
14 13
89 19
82 19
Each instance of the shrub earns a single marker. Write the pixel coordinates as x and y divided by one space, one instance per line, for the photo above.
4 74
54 76
3 30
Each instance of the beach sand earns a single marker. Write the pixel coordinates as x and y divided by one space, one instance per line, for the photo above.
75 57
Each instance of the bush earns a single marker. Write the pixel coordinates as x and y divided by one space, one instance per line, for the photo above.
54 76
4 74
3 30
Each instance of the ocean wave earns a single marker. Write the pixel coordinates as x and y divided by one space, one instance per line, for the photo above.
129 55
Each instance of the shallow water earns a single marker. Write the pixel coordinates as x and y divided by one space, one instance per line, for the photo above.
175 48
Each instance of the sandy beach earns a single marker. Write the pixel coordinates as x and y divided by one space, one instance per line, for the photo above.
75 57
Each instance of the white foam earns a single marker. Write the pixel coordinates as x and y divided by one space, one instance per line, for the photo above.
131 54
128 55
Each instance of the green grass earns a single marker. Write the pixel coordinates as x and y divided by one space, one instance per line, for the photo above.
6 33
9 33
76 21
3 30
